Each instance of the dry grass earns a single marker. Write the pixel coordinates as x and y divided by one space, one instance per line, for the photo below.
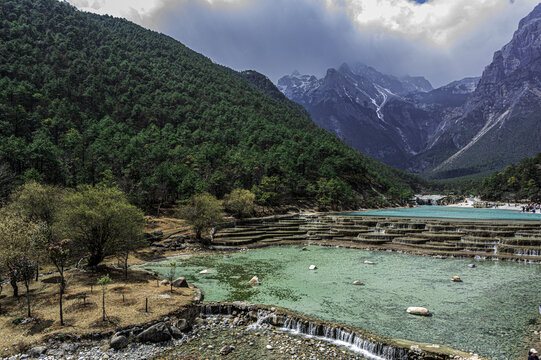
165 224
124 305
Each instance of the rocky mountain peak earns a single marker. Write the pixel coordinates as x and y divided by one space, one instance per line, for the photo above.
499 123
345 68
524 48
535 14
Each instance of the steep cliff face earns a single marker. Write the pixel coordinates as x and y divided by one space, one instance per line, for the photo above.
500 123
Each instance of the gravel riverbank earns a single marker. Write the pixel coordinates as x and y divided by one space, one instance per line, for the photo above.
218 338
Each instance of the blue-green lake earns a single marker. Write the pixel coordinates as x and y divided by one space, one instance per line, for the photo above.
449 212
488 313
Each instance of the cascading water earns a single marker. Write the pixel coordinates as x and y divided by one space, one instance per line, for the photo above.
351 340
263 319
527 252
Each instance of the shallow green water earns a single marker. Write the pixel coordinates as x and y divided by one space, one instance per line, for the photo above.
488 313
448 212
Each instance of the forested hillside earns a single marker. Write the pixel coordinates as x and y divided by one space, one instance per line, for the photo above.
519 181
82 94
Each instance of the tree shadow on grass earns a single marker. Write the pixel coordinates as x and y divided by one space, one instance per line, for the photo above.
38 325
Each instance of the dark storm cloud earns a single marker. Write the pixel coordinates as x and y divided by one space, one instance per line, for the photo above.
278 36
440 40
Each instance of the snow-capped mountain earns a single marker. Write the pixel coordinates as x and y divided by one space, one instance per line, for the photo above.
389 118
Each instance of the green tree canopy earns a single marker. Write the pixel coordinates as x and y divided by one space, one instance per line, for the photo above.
240 202
83 94
203 212
100 220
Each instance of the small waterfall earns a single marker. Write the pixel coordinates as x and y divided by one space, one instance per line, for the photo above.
268 318
527 252
313 329
351 340
206 310
495 250
263 318
222 310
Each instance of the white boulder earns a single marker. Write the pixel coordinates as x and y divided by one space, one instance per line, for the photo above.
312 267
254 281
421 311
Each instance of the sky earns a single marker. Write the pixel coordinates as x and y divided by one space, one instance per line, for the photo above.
442 40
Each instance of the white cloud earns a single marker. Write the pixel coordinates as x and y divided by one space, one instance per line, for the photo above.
138 11
441 22
141 12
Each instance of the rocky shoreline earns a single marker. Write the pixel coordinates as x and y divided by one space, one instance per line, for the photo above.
209 337
215 330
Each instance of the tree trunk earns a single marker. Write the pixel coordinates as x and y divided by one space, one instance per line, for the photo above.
15 287
37 271
28 297
103 304
62 285
95 259
127 255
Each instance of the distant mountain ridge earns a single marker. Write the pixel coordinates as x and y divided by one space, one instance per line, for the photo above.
389 118
466 127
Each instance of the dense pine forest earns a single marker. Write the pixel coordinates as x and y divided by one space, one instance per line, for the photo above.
521 181
83 95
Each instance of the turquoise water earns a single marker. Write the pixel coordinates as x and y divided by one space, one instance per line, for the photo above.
488 313
448 212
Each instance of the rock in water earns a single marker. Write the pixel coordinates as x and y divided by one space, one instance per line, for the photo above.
369 262
254 281
180 282
155 334
204 271
456 279
118 341
304 249
312 267
357 282
421 311
471 265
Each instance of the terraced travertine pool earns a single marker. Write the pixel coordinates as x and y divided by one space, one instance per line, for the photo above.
449 212
488 313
